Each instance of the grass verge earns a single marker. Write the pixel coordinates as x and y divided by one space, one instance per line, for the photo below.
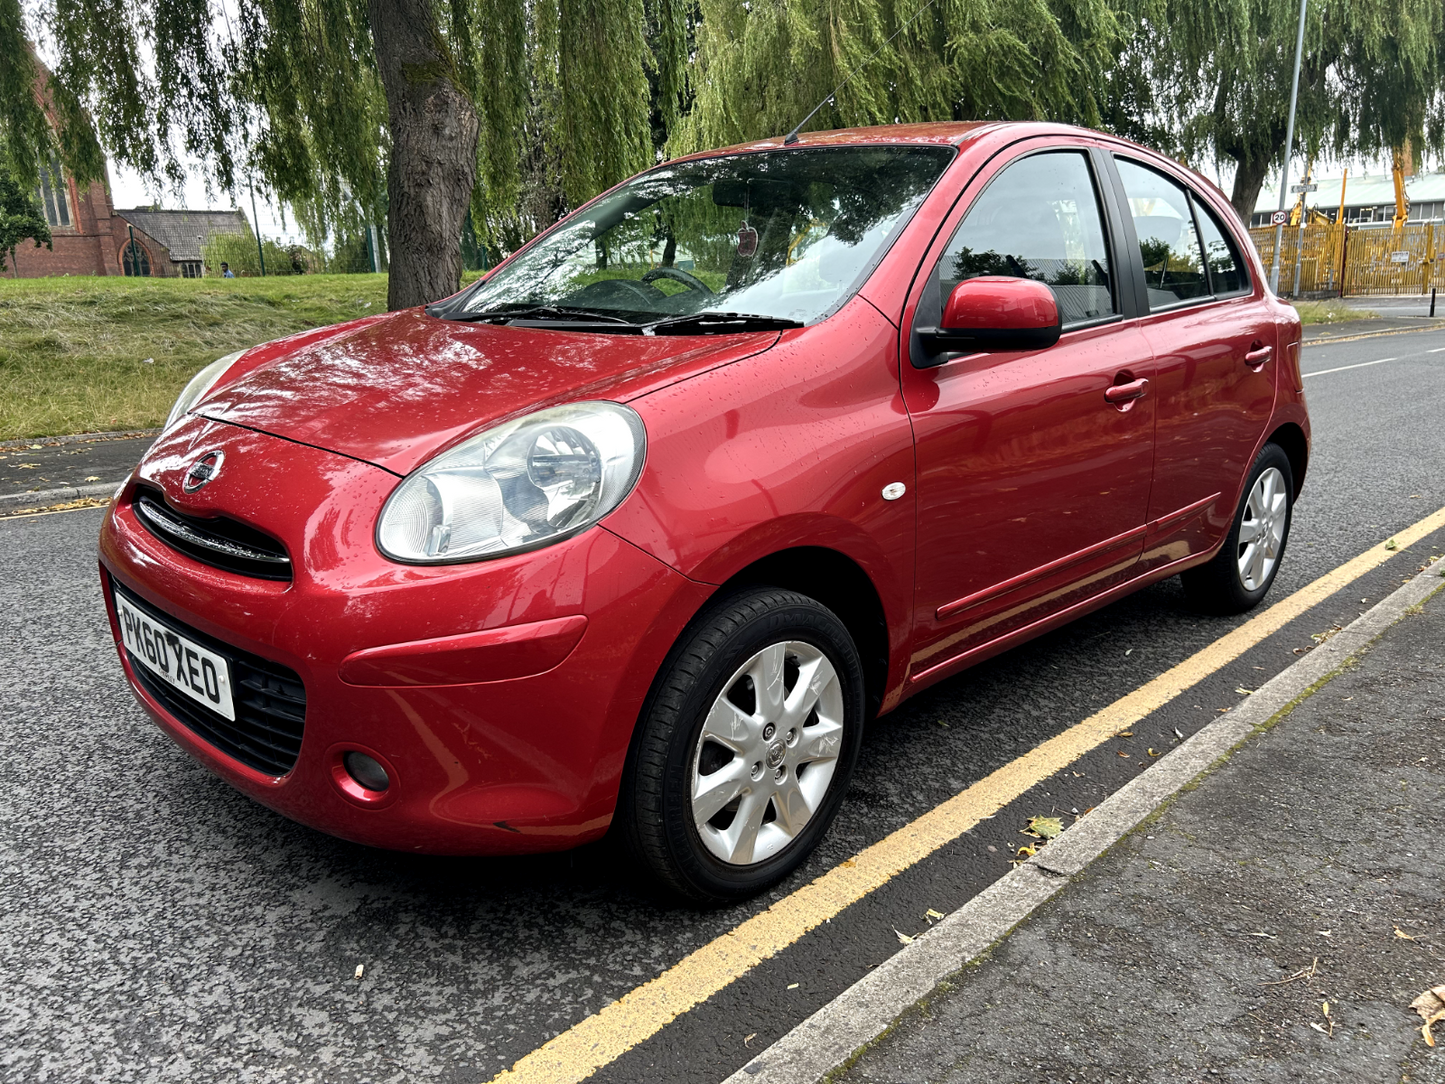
81 355
1333 311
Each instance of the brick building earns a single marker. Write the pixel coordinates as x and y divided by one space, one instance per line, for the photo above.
90 236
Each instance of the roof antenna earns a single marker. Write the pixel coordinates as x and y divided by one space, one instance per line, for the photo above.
792 137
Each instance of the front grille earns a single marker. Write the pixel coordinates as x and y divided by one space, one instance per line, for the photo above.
269 698
215 540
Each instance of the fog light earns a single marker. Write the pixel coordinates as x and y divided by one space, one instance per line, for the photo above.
366 771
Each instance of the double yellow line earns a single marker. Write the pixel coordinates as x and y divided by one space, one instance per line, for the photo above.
601 1038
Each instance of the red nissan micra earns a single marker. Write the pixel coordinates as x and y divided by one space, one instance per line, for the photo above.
642 529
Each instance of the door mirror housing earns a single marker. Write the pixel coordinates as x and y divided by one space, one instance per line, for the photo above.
996 313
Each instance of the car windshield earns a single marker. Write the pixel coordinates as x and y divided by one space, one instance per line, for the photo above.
782 235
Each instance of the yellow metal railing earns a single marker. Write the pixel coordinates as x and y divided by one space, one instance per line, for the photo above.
1351 261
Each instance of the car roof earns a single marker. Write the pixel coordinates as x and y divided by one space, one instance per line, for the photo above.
948 133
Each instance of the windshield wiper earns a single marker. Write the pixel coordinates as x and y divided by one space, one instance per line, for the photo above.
703 323
548 313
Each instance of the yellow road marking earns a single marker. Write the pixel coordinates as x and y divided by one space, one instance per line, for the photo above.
601 1038
1325 340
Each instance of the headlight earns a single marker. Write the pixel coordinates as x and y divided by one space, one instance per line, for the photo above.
520 485
201 383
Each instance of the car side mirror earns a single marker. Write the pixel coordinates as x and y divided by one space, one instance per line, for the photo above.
996 313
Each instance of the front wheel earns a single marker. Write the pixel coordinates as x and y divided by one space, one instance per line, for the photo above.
745 746
1240 574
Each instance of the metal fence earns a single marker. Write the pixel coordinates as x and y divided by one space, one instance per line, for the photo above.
1351 262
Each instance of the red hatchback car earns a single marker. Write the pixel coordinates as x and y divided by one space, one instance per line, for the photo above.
641 530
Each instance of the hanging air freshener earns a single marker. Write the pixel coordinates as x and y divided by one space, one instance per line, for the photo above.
747 240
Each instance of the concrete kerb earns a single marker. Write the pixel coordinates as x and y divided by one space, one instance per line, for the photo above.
43 498
834 1034
77 438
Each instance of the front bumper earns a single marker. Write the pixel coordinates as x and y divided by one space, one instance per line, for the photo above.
501 694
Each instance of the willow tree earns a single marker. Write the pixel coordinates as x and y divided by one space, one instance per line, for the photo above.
762 66
1372 79
350 110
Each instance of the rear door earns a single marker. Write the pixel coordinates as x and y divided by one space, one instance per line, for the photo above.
1213 342
1032 487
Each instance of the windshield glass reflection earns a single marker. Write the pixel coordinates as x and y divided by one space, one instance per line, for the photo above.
780 234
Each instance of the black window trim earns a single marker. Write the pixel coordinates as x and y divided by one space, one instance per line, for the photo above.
1198 206
1136 260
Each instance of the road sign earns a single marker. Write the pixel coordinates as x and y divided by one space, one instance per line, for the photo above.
1307 186
1279 218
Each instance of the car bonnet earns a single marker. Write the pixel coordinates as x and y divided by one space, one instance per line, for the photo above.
395 390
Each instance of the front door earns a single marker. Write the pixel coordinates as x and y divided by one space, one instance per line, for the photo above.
1032 486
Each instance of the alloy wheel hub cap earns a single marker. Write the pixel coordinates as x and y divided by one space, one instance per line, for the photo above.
767 753
1261 529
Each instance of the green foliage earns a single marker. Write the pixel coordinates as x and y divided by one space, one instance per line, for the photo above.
762 67
239 250
20 218
1219 72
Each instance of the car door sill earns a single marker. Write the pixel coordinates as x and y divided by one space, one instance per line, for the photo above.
939 671
1175 519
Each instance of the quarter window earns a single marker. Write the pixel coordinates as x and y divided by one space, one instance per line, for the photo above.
1038 219
1168 243
1226 270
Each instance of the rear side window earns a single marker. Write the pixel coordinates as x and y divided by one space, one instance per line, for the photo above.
1038 219
1168 244
1227 276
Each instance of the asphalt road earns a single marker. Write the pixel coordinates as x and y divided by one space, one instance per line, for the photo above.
156 926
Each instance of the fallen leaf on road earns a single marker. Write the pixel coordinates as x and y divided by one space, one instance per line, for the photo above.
1044 827
1122 753
1325 1008
1026 852
1124 734
1244 692
793 985
1321 1030
1177 734
27 466
92 478
1402 935
1431 1007
903 938
1151 752
847 862
1392 545
748 1040
932 915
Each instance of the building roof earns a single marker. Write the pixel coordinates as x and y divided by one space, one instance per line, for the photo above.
184 233
1361 190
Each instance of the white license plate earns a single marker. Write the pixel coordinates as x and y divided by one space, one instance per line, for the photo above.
202 675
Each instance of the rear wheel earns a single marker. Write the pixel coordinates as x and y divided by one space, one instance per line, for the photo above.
746 746
1240 574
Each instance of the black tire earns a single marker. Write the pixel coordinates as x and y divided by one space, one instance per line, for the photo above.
655 805
1218 587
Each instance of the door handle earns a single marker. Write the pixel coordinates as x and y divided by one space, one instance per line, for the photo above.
1257 357
1124 393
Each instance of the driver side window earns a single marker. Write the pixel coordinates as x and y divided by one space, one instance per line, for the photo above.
1038 219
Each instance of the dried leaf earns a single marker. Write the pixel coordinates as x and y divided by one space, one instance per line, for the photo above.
1402 935
932 915
1045 827
747 1040
793 985
1151 752
1244 692
1124 734
1431 1007
1122 753
903 938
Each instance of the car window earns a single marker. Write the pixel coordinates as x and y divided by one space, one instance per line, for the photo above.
1226 270
1168 244
1038 219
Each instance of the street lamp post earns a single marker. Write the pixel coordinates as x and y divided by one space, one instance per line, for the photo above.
1299 48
